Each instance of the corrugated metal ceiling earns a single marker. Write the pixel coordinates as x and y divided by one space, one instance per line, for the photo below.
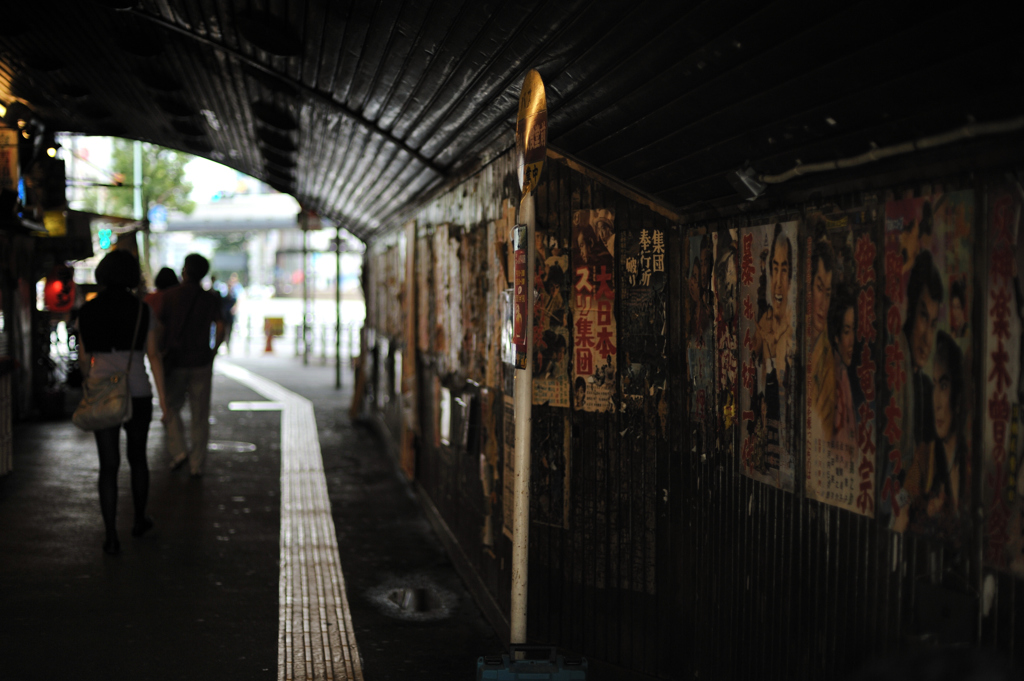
360 108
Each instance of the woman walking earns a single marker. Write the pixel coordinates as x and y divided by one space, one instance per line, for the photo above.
106 324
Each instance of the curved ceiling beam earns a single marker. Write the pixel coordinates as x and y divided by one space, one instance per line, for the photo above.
302 87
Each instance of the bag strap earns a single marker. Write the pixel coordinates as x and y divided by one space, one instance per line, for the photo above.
135 334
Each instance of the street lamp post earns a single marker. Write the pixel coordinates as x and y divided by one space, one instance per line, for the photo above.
337 309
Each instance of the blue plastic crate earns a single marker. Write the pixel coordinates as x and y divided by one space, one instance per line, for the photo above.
541 662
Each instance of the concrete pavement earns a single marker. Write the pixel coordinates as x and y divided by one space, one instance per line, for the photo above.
197 597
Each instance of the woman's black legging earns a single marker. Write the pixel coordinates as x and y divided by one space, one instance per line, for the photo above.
108 445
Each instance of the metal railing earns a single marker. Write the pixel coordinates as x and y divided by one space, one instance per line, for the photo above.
322 339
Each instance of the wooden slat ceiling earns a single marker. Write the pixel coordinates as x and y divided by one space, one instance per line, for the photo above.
360 109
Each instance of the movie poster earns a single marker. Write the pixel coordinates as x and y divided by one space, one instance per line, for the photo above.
642 310
724 283
768 352
1004 384
551 340
700 344
925 443
840 344
593 304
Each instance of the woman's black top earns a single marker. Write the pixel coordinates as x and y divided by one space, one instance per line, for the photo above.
106 322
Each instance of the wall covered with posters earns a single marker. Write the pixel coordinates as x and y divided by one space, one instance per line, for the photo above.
798 429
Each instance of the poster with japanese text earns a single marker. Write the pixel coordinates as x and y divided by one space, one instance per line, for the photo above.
700 344
1003 384
593 305
551 341
925 443
641 320
724 287
841 342
768 352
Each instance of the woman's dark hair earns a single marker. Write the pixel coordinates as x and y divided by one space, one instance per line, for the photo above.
165 279
118 269
843 300
593 244
822 253
923 275
958 290
949 354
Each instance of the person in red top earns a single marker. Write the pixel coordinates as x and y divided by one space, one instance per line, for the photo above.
187 313
165 279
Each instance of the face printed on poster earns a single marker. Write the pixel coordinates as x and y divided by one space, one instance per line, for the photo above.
925 444
593 303
840 364
768 319
725 282
551 339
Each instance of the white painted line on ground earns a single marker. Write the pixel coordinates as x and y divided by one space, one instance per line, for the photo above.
315 635
255 406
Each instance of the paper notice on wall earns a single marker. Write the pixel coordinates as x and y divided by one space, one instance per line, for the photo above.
593 303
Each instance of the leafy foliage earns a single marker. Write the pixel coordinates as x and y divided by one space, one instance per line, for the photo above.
163 179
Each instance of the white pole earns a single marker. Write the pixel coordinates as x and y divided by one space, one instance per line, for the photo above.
137 180
523 392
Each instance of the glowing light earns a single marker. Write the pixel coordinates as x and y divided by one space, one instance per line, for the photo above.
51 152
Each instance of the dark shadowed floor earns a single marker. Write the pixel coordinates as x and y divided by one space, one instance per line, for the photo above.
197 598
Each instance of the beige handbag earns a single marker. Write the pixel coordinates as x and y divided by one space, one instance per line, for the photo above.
106 402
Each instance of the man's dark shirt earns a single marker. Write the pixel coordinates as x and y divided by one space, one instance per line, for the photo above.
187 331
924 410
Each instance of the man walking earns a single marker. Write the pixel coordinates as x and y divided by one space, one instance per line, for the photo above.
187 314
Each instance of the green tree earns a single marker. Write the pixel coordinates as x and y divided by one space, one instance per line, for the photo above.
163 179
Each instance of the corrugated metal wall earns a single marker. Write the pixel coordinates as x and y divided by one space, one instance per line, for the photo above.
659 558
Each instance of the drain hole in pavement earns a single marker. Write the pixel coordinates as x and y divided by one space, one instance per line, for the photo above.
227 446
414 600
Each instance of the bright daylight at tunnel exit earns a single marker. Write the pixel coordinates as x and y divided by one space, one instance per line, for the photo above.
588 340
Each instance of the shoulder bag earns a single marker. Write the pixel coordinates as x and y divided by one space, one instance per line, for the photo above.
106 402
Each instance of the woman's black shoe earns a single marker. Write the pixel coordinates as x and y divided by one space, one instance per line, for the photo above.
112 546
142 526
